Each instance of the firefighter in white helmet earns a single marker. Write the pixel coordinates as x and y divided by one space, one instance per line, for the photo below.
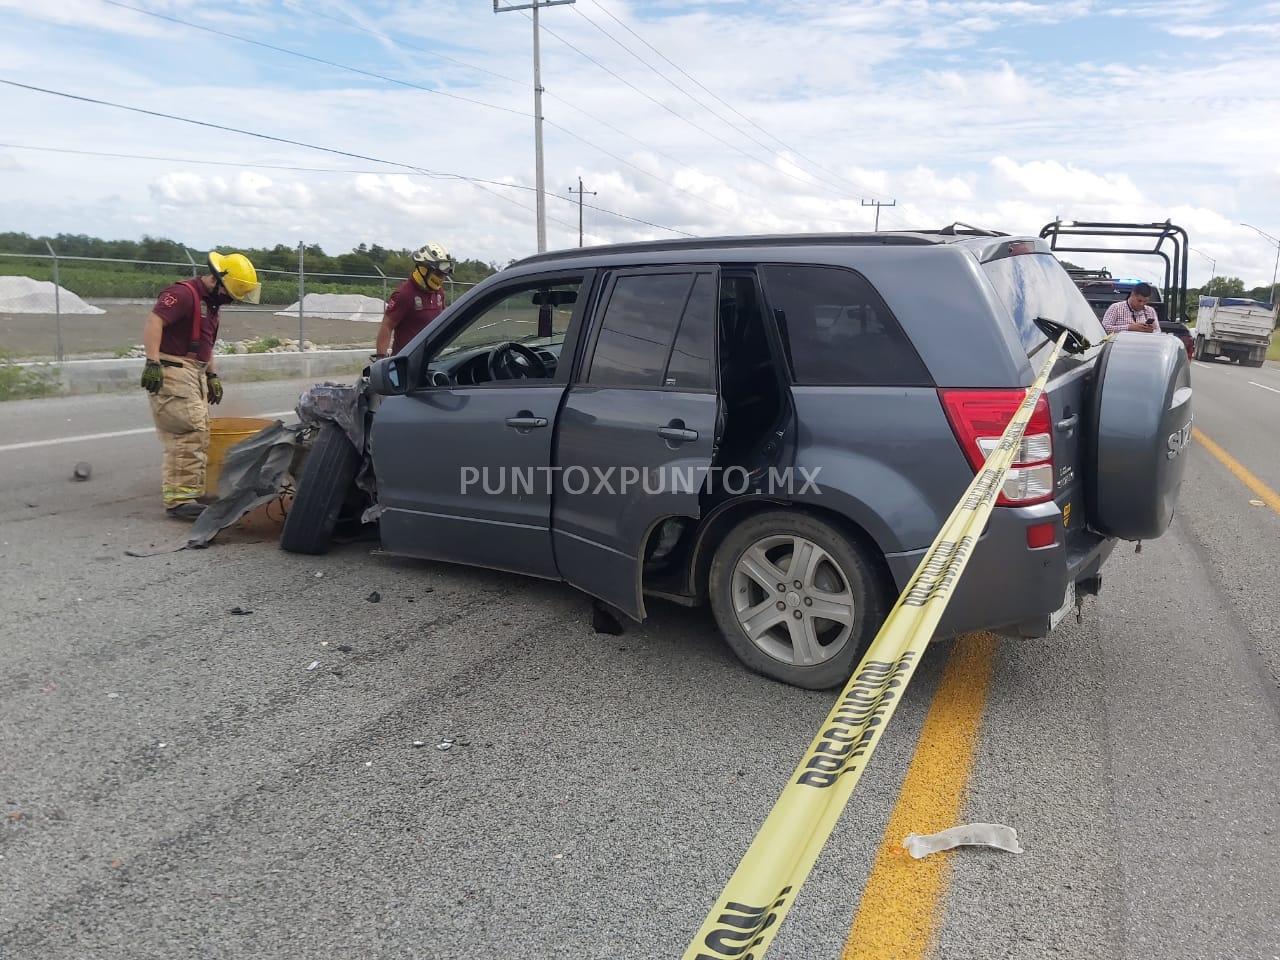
417 301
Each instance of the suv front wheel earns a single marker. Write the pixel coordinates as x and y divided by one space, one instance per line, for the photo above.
796 599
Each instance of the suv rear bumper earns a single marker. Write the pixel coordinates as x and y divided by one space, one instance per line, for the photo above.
1008 587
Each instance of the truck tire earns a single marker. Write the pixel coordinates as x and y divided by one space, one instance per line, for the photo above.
1253 363
1141 420
327 480
839 579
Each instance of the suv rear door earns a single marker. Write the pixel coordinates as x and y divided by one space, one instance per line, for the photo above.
1033 285
637 431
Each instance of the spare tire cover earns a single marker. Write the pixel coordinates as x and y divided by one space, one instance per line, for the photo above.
1141 430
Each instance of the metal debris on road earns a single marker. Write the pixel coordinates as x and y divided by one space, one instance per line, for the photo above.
444 745
995 835
419 743
314 664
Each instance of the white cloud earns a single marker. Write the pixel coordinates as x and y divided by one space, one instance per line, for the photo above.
1066 183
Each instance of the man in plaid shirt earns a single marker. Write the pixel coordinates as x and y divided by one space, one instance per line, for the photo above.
1132 313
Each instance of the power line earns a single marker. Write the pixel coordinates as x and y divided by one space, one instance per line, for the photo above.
675 113
813 179
477 182
415 86
694 80
306 56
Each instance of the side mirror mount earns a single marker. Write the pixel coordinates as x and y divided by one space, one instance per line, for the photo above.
389 377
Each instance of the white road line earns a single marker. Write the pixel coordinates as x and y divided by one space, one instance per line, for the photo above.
1264 386
29 444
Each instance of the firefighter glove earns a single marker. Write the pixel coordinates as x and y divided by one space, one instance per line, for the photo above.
152 376
215 388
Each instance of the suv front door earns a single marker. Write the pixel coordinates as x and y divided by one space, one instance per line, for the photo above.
463 460
638 429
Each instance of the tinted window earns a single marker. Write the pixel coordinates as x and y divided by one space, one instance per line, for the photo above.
1036 285
637 329
691 357
837 330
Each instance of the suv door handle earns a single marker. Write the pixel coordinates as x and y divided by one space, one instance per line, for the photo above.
676 432
1068 424
526 421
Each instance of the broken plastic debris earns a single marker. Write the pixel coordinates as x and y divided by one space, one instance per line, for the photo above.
444 745
239 612
319 574
1256 503
112 696
966 835
419 743
314 664
374 597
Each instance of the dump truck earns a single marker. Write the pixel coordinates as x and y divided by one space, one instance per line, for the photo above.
1236 328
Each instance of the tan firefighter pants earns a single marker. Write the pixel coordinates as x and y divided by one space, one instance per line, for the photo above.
181 412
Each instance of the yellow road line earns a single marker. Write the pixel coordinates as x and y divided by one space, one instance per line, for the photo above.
1265 493
901 901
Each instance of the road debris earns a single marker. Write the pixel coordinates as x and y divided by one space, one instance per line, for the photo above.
374 597
995 835
445 745
239 612
314 664
419 743
82 471
113 696
319 574
343 648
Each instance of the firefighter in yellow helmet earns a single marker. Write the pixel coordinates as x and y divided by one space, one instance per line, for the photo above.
179 374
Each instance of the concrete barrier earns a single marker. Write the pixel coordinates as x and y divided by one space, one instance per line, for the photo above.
76 377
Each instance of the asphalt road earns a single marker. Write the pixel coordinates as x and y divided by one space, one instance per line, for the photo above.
176 783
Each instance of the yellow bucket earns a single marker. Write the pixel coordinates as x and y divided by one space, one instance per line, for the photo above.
225 433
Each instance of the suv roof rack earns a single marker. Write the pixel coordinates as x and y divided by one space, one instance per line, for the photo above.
907 238
959 229
1082 273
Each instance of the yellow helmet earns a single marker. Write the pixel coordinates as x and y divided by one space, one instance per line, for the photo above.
237 276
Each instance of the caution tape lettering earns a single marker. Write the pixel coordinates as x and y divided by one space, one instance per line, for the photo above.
739 927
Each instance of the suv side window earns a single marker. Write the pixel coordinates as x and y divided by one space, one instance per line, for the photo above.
637 329
692 355
837 330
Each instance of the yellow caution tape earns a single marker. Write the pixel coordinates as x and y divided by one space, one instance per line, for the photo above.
749 911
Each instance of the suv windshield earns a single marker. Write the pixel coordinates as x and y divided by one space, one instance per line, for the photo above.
1036 285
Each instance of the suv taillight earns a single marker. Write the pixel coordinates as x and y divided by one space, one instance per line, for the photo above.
979 417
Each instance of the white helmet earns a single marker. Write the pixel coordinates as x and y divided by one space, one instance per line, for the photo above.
434 256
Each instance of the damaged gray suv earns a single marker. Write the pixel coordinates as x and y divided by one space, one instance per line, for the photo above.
777 426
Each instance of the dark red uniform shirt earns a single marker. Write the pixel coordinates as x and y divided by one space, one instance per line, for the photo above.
410 310
175 307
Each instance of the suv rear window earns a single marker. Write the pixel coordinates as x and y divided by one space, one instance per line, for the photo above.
1036 285
638 326
837 330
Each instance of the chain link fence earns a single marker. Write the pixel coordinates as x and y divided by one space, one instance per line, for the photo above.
97 306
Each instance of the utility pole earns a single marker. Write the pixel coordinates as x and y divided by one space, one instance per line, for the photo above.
1277 265
540 181
878 204
580 192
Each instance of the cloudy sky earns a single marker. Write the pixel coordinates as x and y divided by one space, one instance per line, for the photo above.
760 117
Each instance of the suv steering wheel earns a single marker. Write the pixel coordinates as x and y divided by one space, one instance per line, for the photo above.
515 361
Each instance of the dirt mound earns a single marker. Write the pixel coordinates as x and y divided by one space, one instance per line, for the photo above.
24 295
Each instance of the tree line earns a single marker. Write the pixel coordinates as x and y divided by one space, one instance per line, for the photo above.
365 259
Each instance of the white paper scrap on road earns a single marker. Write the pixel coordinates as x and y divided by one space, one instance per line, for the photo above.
24 295
337 306
966 835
